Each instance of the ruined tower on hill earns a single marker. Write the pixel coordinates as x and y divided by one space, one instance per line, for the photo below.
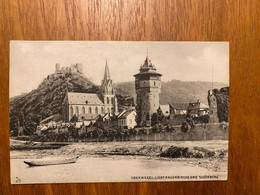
68 69
148 88
218 100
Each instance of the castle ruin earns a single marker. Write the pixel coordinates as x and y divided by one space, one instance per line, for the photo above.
69 69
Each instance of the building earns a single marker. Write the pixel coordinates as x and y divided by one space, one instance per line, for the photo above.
178 108
148 87
173 109
213 108
70 69
108 93
127 119
87 106
164 109
197 109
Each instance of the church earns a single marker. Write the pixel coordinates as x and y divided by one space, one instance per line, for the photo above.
88 106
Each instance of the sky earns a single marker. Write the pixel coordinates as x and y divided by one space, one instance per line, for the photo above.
32 61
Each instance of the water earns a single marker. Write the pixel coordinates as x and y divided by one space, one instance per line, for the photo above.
106 169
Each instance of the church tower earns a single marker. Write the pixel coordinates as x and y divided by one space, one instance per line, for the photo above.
148 88
108 93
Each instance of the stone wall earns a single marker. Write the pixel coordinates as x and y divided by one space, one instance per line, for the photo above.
201 132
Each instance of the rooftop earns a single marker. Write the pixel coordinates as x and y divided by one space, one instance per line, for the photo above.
147 68
126 113
180 106
84 98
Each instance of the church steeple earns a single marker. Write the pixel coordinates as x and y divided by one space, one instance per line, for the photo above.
106 74
107 83
108 93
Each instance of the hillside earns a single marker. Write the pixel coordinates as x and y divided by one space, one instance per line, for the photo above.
28 110
175 90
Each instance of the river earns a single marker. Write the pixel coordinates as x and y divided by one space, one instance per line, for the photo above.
110 169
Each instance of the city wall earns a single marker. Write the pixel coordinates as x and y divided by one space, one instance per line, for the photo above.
214 131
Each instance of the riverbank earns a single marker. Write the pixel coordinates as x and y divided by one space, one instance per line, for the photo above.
208 154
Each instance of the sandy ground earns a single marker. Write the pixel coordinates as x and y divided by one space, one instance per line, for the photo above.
143 149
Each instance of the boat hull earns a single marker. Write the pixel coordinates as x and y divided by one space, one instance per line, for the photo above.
51 162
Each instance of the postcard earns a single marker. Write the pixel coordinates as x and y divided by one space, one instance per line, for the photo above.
110 111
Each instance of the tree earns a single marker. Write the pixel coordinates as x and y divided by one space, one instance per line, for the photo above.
74 119
154 119
185 127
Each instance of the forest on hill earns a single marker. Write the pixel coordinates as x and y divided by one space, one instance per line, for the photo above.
26 111
175 91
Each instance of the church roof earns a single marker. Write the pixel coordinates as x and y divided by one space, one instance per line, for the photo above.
84 98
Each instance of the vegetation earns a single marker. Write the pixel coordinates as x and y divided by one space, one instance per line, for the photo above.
27 110
175 90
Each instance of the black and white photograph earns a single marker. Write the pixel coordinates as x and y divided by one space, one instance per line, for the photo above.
118 111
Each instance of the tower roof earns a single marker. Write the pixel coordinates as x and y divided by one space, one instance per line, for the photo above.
106 74
147 68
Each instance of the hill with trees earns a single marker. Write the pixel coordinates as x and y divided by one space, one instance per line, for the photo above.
175 91
27 110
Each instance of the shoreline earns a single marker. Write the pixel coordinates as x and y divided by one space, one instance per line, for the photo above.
145 150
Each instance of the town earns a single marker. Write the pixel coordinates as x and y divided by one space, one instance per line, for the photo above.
97 116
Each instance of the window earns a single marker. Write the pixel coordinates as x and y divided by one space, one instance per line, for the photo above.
112 110
83 110
90 110
77 110
112 100
154 83
96 110
107 100
71 111
102 110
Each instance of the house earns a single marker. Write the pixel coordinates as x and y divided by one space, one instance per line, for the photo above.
127 119
197 109
164 109
178 108
173 109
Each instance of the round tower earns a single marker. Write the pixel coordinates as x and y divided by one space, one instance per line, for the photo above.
148 88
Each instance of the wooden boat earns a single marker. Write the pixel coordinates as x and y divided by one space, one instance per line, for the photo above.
46 162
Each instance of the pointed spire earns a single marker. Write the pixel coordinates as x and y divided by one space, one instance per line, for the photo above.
107 74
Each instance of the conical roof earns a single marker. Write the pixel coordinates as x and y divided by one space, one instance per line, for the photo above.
148 68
